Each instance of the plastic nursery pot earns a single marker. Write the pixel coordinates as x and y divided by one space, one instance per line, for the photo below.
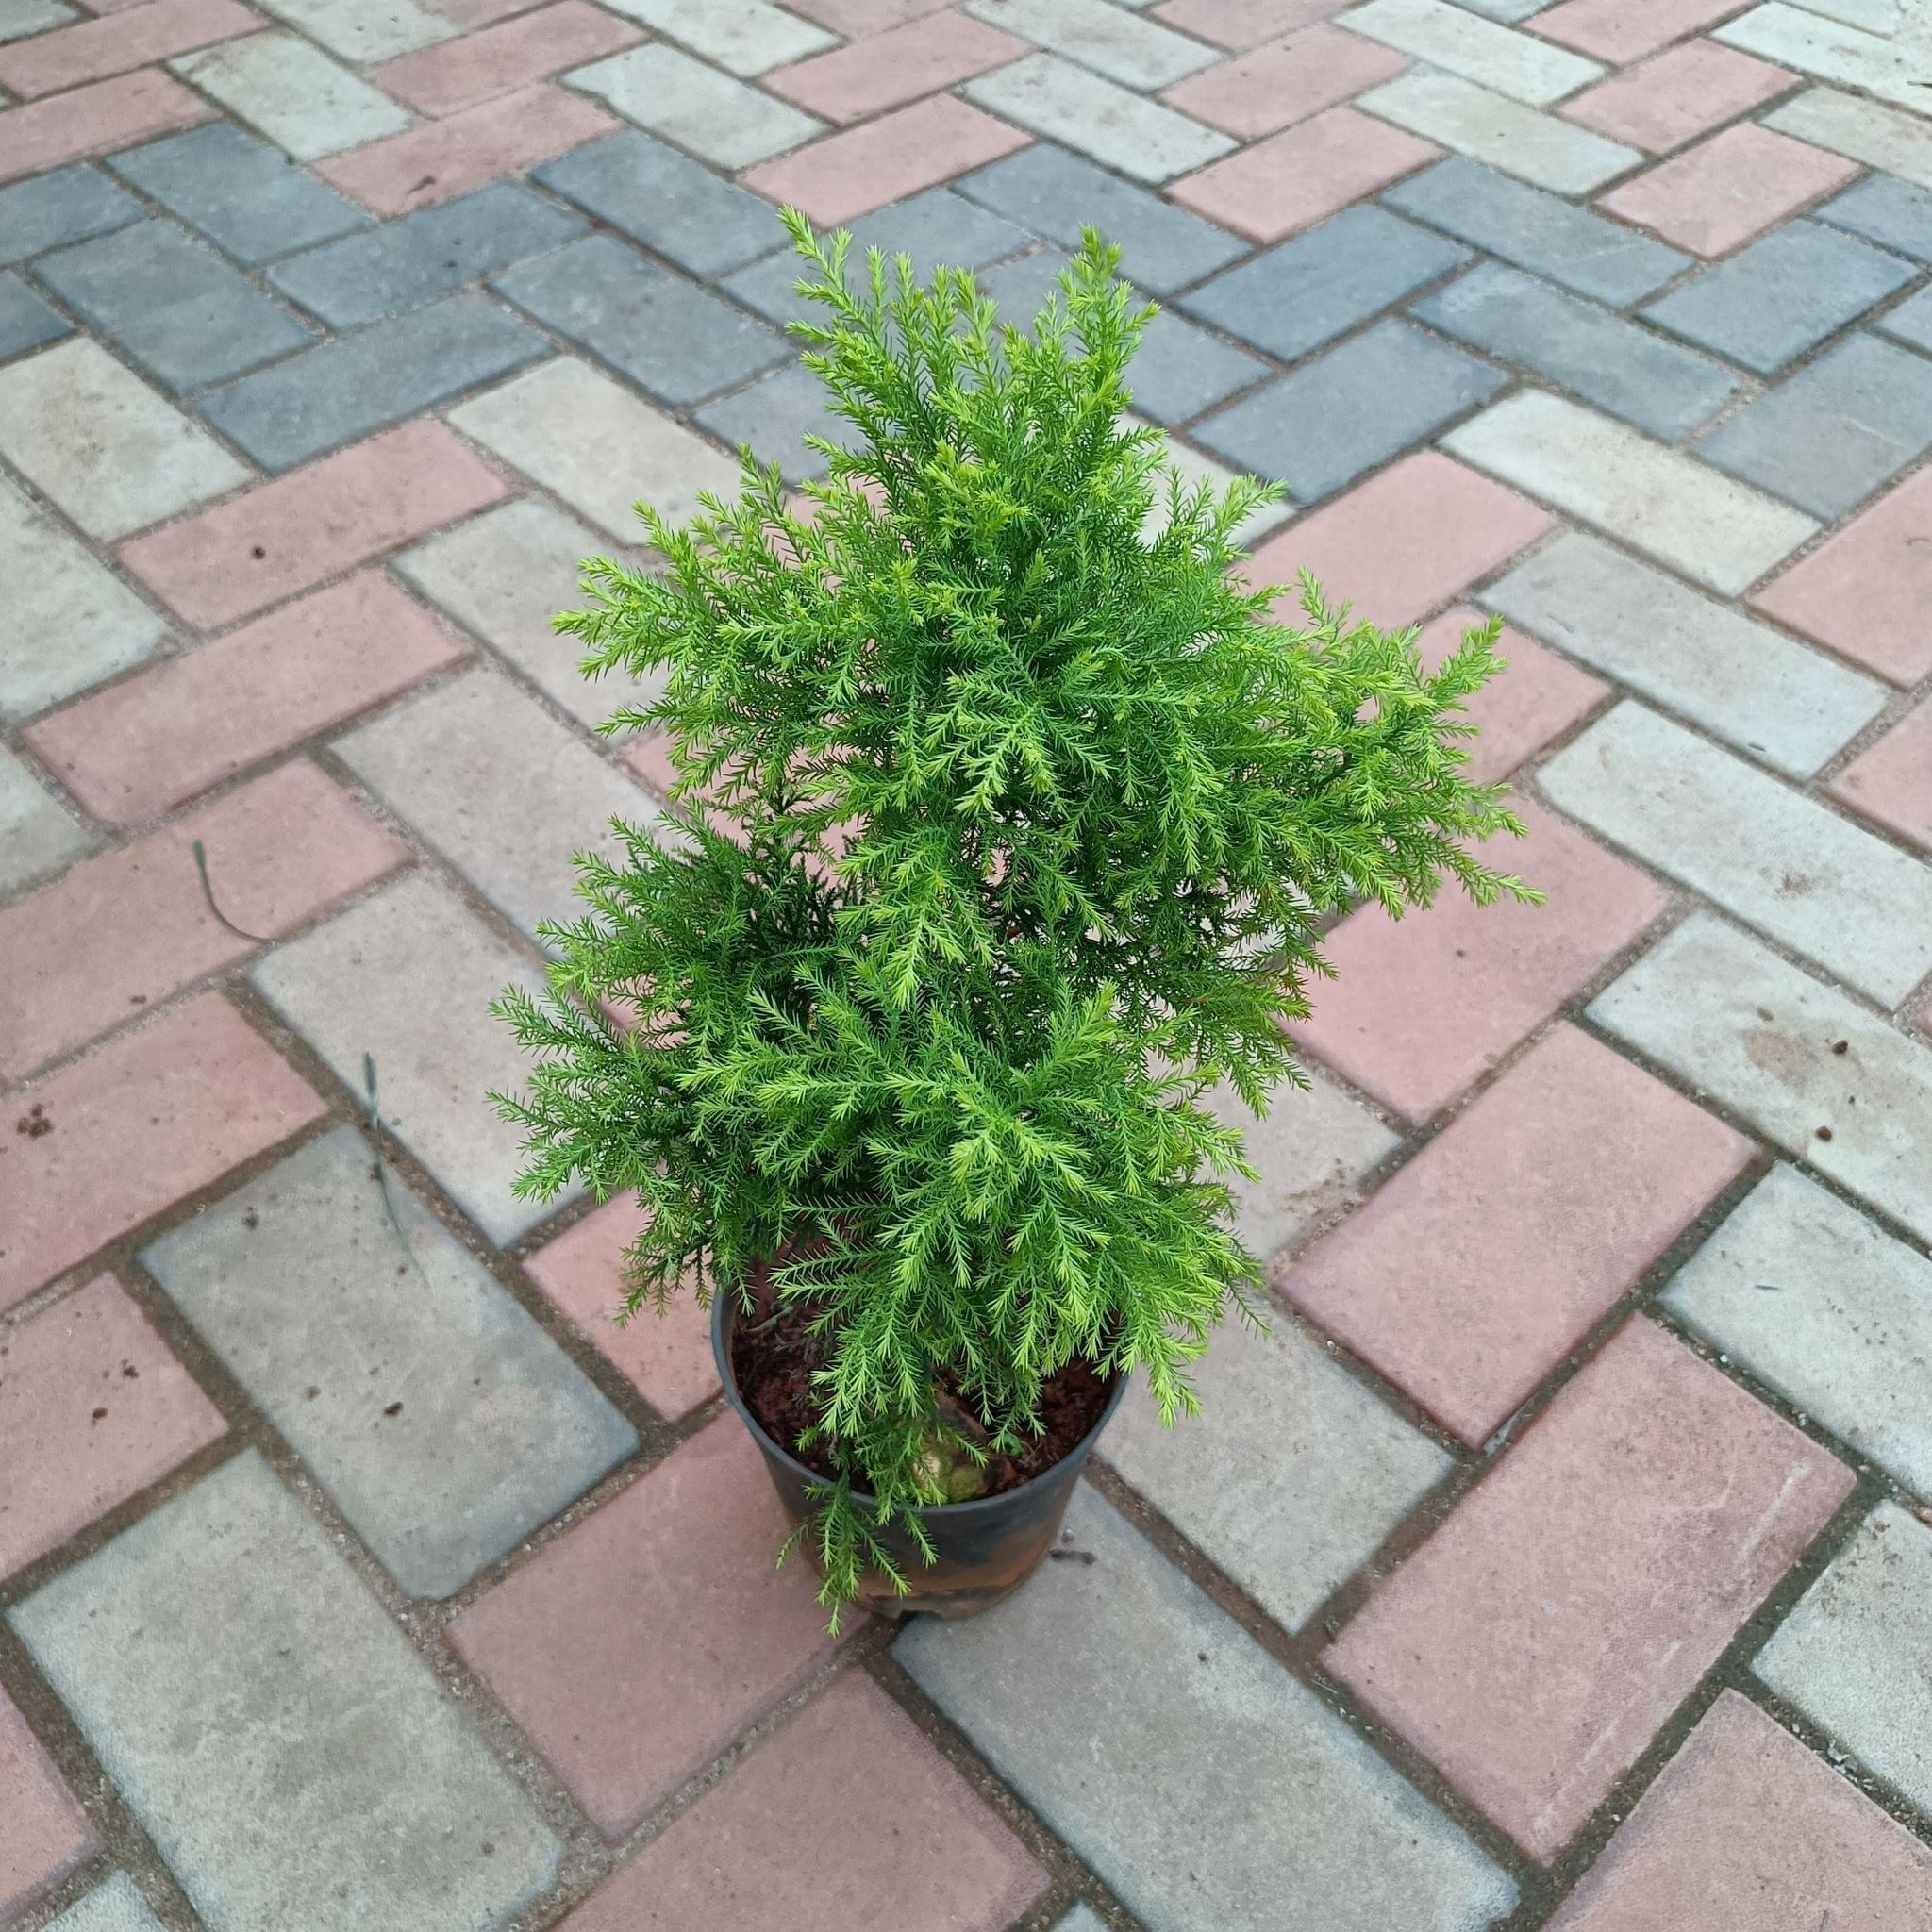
986 1548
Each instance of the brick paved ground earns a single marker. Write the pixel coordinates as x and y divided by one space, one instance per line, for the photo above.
1563 1559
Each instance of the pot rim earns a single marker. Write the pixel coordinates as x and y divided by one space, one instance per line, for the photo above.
720 1357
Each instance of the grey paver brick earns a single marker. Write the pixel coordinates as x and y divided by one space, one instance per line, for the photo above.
1351 408
25 321
1911 321
1793 706
292 92
54 209
1144 1724
1137 53
35 834
1294 297
1522 67
1080 1919
1828 1309
1289 1478
250 201
1056 193
1537 232
445 1423
293 1758
407 977
360 383
1835 431
1768 303
172 303
115 1907
725 121
1600 356
20 18
773 415
1855 1656
674 205
1894 214
418 256
675 341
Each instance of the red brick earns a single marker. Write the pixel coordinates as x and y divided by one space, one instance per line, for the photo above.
1536 699
451 157
47 1833
458 73
1487 1258
1892 783
95 120
851 174
1747 1831
1865 592
666 1357
152 1116
1679 95
96 1410
1424 1005
890 69
848 1819
95 49
1621 30
143 745
132 927
1284 81
637 1647
1245 23
469 14
330 516
1456 527
1535 1644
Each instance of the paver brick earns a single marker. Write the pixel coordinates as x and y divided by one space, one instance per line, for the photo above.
94 119
97 1408
1860 129
115 1907
723 120
20 18
1890 782
1109 39
1746 1831
1792 707
1855 1656
890 69
1862 590
1179 370
47 1832
54 209
1791 1057
1910 322
681 1559
848 1808
1828 1310
744 37
1192 1735
1891 212
1296 296
1243 23
407 977
357 384
856 19
1284 81
440 1418
455 74
671 203
365 30
306 103
666 1357
1827 49
1680 95
288 535
1458 41
294 1759
1502 970
1194 468
773 415
151 1117
247 199
25 321
1621 31
36 836
593 444
1292 1475
135 37
1607 1561
1538 696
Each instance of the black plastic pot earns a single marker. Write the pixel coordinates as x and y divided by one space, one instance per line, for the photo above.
986 1549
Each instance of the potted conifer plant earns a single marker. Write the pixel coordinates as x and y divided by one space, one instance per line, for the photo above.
1008 831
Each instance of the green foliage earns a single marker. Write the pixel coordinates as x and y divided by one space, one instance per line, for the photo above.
1007 834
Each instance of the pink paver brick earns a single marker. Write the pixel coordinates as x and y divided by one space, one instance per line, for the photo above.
149 1118
145 745
1536 699
1285 81
1715 196
460 73
1679 95
1245 23
847 1821
1302 175
95 120
470 14
1746 1831
1486 1259
46 1833
850 174
1892 783
1535 1644
450 157
155 30
1456 527
93 1407
888 70
637 1646
1623 30
1426 1003
856 19
126 930
330 516
1864 593
666 1357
